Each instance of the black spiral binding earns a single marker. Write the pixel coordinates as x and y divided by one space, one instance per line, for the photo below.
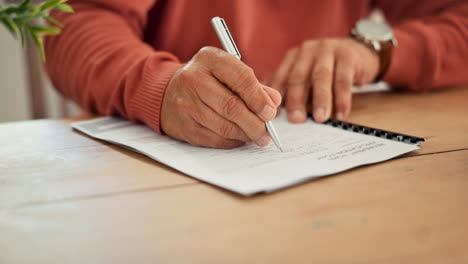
375 132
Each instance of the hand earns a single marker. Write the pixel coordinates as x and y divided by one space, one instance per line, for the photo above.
324 71
216 101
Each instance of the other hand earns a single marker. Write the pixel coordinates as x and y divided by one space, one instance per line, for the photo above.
216 101
323 72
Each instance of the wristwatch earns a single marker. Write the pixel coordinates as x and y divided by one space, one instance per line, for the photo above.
378 36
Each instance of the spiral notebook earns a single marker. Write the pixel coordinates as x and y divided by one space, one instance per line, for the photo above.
366 130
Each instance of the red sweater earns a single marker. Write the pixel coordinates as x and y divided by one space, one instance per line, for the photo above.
117 56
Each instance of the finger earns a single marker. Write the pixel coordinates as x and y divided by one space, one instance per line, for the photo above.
224 128
274 95
240 79
322 77
342 84
231 107
199 135
298 84
278 81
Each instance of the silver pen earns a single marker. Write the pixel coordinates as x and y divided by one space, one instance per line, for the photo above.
230 46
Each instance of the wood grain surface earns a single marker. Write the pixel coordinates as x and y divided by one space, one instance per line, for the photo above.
66 198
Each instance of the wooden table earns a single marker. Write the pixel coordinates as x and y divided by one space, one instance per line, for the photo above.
66 198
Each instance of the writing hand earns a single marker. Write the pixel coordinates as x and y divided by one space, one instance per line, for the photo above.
216 101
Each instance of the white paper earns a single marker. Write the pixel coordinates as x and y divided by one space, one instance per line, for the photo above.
311 150
372 88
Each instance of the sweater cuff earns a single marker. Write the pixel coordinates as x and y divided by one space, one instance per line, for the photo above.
145 105
409 58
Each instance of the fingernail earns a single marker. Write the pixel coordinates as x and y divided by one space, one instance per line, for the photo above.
263 141
319 114
296 116
340 116
268 113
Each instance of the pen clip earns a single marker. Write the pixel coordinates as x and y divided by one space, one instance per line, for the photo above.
225 36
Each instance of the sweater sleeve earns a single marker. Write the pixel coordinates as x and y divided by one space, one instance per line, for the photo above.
101 62
432 49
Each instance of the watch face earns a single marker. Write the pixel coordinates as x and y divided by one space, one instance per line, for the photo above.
374 30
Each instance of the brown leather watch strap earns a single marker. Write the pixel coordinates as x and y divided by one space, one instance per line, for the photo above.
385 54
385 57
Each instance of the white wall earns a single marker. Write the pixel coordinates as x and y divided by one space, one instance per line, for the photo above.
14 94
15 87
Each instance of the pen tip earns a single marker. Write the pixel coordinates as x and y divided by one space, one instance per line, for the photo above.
281 148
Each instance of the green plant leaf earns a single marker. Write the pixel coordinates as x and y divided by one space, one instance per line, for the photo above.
25 18
53 21
39 42
64 8
10 10
20 25
50 4
24 5
45 30
18 17
23 36
11 26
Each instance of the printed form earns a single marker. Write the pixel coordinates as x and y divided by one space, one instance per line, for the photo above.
311 150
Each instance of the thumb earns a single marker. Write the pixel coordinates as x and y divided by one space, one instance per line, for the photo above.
274 95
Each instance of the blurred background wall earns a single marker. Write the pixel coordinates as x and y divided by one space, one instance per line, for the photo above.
25 90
